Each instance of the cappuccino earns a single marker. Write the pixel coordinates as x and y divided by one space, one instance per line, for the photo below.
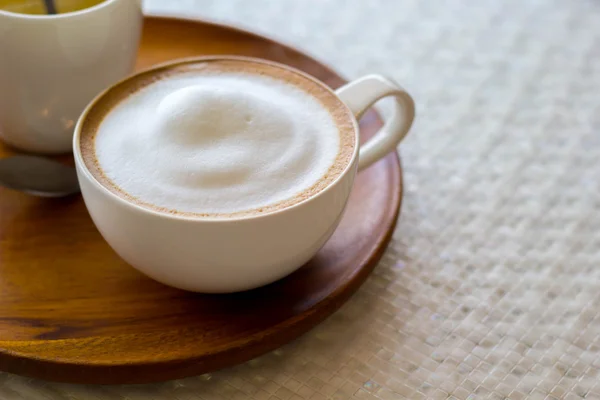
218 138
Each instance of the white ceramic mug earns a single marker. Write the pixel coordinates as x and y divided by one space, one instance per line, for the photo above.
234 254
51 66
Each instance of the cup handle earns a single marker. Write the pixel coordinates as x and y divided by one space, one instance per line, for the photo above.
360 95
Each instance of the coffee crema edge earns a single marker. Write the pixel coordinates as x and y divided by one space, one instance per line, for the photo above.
339 113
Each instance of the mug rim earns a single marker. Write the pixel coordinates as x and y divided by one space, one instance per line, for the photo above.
80 163
53 17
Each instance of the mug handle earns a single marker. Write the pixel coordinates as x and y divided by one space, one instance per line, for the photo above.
360 95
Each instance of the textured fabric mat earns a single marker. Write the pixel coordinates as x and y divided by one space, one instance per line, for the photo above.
491 285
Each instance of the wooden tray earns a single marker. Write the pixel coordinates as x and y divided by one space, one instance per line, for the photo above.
71 310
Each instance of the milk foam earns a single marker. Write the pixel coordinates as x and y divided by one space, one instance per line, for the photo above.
214 144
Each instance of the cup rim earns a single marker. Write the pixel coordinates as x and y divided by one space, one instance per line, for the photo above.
78 157
53 17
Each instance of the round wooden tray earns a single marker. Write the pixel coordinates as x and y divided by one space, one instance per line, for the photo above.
71 310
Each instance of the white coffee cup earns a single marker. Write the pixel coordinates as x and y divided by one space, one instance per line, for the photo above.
51 66
233 254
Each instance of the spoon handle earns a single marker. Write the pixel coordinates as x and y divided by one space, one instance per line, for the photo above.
50 6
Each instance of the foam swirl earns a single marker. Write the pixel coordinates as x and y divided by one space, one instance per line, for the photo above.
217 144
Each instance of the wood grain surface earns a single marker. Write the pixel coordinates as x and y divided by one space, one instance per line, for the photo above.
71 310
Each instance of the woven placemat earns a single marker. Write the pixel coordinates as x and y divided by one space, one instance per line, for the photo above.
491 285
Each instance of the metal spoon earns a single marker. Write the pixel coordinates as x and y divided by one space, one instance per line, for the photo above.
38 176
50 6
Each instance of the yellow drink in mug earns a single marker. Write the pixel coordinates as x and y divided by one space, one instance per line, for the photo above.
52 66
37 7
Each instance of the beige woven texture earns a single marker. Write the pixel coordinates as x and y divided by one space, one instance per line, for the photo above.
491 285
